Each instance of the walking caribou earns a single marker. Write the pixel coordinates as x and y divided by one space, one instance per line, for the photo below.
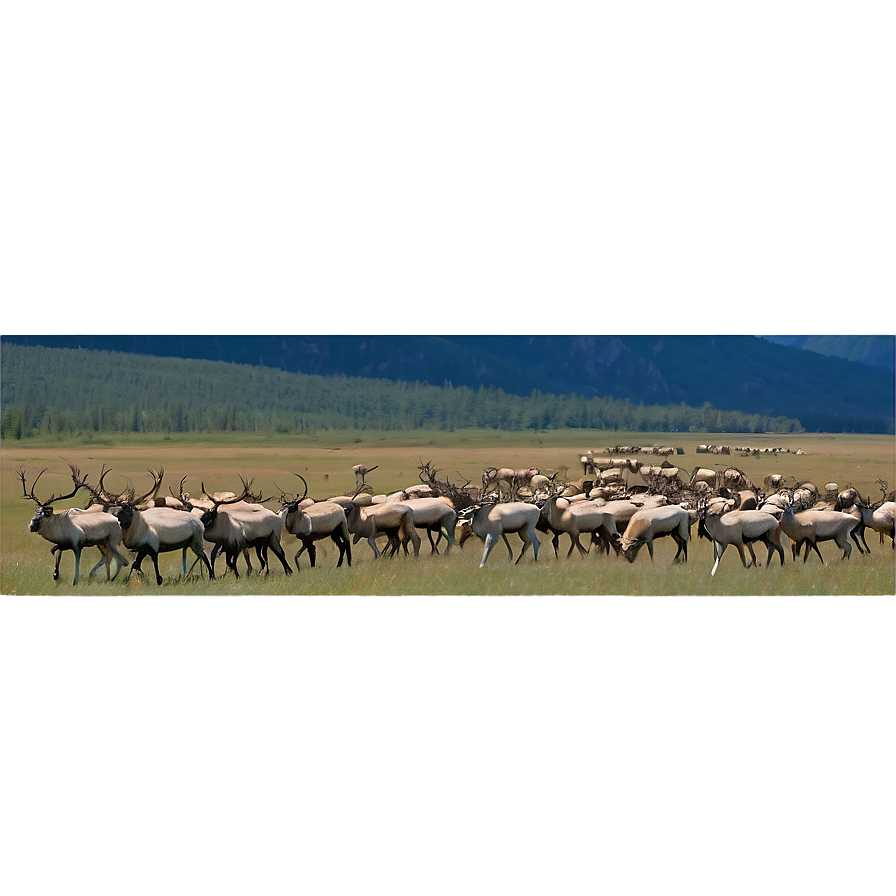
491 521
314 521
154 530
75 529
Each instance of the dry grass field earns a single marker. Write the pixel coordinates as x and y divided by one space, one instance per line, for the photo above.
325 460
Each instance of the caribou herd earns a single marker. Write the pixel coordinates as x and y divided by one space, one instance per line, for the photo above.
613 514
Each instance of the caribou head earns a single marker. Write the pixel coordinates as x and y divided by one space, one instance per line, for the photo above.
292 504
124 503
45 508
209 516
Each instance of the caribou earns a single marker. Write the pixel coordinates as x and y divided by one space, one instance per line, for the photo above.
811 526
489 521
561 516
367 520
313 521
153 530
724 524
75 529
655 522
260 528
433 515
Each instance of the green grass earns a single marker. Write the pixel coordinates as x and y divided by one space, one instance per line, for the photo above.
325 460
459 573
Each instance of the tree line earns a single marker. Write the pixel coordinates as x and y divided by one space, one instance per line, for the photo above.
58 393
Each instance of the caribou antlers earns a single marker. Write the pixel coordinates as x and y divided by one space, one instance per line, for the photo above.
426 469
103 497
182 497
156 484
218 503
79 481
285 499
25 493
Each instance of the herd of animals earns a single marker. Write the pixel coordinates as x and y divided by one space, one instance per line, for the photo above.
608 511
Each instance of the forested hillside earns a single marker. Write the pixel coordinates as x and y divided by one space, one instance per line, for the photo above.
53 392
744 374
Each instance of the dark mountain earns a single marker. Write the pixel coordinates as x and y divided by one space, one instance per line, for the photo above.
875 351
743 373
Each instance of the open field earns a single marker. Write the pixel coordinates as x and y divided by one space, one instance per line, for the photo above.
326 459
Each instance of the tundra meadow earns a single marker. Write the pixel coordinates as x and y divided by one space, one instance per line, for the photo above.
325 460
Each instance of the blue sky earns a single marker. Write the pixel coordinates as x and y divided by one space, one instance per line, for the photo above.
408 171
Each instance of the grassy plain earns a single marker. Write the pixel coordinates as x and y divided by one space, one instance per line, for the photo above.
326 460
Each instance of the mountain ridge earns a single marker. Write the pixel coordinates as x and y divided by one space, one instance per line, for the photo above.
873 351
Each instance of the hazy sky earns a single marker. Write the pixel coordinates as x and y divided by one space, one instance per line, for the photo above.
398 169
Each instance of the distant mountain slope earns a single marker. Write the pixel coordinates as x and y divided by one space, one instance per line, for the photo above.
743 373
59 392
875 351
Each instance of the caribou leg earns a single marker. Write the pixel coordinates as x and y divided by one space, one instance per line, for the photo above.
106 557
135 566
215 551
201 556
610 540
682 548
261 552
395 543
208 566
154 556
509 548
305 547
772 547
575 543
811 544
230 558
601 537
345 548
278 553
528 537
717 551
77 553
58 552
489 544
